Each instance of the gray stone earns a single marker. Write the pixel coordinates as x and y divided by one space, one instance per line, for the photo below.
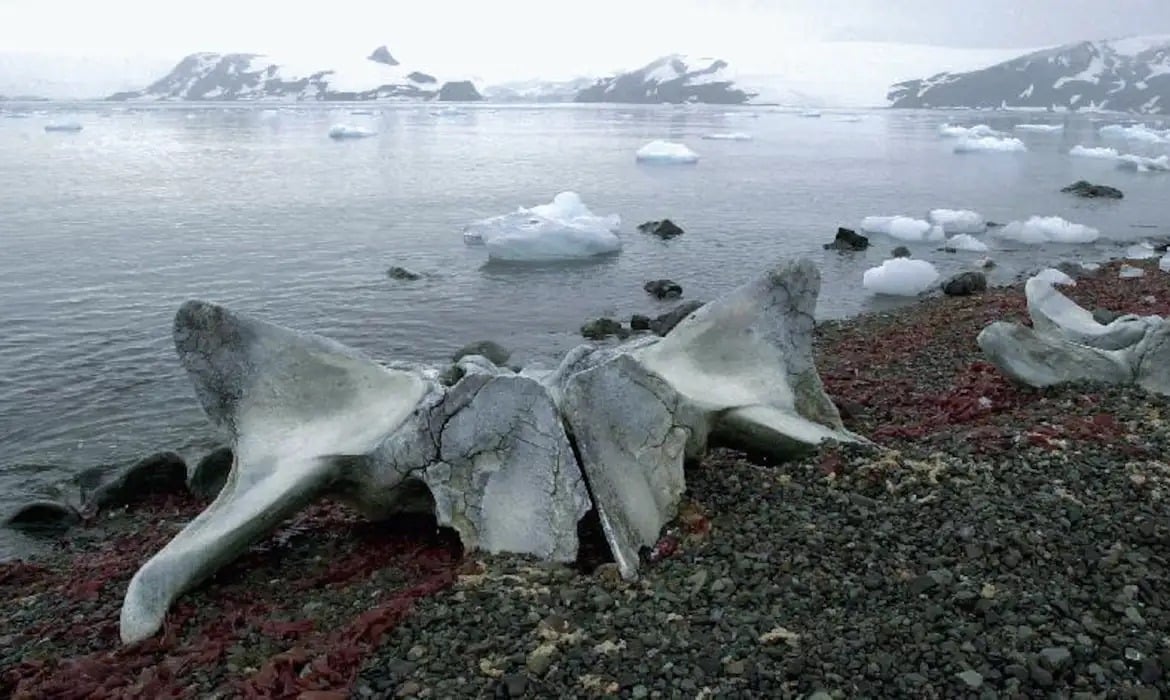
492 350
666 322
162 473
972 679
403 274
44 516
602 328
663 289
1056 657
901 252
638 322
965 284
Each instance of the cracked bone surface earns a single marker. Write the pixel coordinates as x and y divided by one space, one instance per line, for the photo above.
491 455
1066 344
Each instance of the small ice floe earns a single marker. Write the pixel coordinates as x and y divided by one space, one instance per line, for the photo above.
1144 164
1040 128
1054 276
732 136
1136 132
1094 152
967 242
1164 263
958 220
448 111
1048 229
1141 251
666 152
904 228
1130 272
564 229
69 126
902 277
811 114
349 131
990 144
850 118
956 132
362 112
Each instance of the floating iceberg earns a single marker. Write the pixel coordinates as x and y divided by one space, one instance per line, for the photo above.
990 144
666 152
733 136
1137 132
1144 164
1049 229
1091 152
564 229
348 131
977 131
63 126
1040 128
958 220
902 277
967 242
903 228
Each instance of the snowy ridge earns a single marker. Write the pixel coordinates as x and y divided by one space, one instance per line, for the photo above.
674 79
245 76
537 90
1122 75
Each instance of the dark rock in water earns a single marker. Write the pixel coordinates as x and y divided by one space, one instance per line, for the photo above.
663 289
1084 188
901 252
1106 316
994 224
848 239
44 517
663 229
459 91
638 322
162 473
211 473
401 273
667 321
382 55
451 375
601 328
965 284
493 351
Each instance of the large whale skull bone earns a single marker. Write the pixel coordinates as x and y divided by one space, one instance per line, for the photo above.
308 416
1066 344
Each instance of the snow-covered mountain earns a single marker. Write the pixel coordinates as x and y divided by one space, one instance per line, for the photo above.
1123 75
247 76
675 79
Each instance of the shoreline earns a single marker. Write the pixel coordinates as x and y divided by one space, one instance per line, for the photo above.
952 560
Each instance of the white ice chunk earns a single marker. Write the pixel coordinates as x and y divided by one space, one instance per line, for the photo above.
1053 276
348 131
967 242
1129 272
903 228
1144 164
1137 132
990 144
977 131
732 136
1041 128
1141 251
564 229
901 277
1049 229
958 220
1164 263
666 152
1092 152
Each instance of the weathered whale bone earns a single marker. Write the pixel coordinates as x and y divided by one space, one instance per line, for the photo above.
511 461
1066 344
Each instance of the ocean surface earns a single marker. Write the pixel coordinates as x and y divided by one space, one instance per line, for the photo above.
106 231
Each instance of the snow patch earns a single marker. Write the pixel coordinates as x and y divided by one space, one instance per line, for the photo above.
903 277
564 229
1049 229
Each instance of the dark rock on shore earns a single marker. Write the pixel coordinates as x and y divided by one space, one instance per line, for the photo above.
601 328
497 354
158 474
1084 188
211 473
663 289
666 322
1076 270
44 517
848 239
663 229
401 273
638 322
1106 316
901 252
965 284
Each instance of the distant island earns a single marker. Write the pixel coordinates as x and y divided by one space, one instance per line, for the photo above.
1124 75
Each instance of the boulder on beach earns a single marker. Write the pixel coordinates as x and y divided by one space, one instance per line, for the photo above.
965 284
44 517
848 239
665 323
158 474
1084 188
663 289
495 353
211 473
602 328
663 229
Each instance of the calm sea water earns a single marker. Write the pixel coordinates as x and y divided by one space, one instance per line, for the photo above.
103 233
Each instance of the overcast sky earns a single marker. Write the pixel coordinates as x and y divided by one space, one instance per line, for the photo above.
514 36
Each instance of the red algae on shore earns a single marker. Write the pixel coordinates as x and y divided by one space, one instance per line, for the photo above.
295 615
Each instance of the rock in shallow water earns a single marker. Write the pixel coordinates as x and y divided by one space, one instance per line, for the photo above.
663 289
493 351
1084 188
848 239
663 229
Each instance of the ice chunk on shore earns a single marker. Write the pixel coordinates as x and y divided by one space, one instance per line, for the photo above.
63 126
1093 152
902 277
967 242
903 228
1054 276
977 131
990 144
1144 164
1049 229
958 220
666 152
564 229
348 131
1137 132
1164 263
1141 251
1130 272
733 136
1040 128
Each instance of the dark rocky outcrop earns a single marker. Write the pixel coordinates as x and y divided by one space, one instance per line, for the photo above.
601 328
211 473
663 229
848 239
638 322
1084 188
44 517
666 322
158 474
901 252
382 55
495 353
459 91
670 79
401 273
663 289
965 284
